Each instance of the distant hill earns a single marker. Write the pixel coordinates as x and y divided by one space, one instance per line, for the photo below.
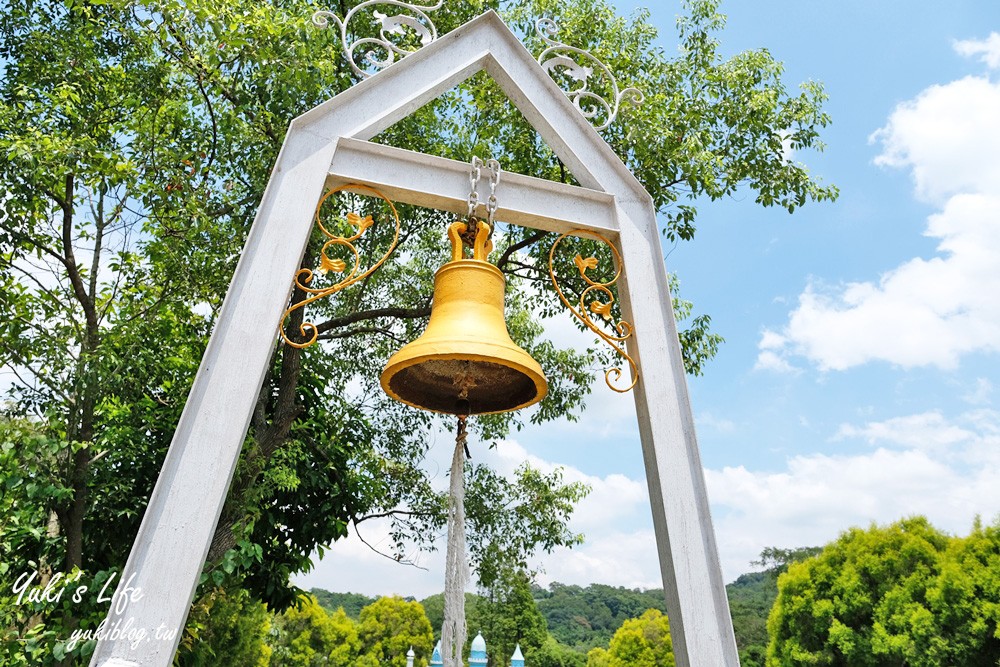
584 617
352 603
751 597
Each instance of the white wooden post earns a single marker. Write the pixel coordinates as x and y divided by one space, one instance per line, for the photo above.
323 146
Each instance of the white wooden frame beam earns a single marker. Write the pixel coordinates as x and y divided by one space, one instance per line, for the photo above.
436 182
327 145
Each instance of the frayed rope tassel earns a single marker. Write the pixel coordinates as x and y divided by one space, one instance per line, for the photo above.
454 631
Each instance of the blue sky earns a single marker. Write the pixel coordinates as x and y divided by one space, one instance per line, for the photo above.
859 379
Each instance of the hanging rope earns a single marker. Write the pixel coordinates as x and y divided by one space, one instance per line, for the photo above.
454 630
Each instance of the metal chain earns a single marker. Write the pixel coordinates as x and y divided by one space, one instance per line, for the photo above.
491 203
475 173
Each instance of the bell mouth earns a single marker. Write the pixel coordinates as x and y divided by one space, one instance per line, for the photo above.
438 384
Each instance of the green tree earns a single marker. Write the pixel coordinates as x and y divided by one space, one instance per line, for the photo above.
389 628
306 635
903 594
537 507
507 615
961 625
639 642
777 559
129 186
32 484
752 596
598 657
226 629
554 654
588 617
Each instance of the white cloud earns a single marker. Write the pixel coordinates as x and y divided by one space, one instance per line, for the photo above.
771 340
980 394
613 500
624 555
947 469
987 49
927 430
948 136
770 357
614 558
773 361
708 421
620 546
925 311
817 496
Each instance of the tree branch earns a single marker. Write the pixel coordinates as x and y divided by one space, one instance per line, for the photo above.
539 274
33 278
69 261
362 315
360 330
40 379
391 513
395 559
193 64
21 236
215 129
99 223
523 243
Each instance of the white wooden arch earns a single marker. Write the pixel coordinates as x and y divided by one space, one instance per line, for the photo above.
329 146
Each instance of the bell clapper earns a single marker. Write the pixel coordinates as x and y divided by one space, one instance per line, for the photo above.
462 435
463 408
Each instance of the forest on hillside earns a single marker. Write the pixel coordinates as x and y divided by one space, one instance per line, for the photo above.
905 593
579 619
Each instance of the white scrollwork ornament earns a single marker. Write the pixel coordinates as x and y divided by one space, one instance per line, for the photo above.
377 53
559 58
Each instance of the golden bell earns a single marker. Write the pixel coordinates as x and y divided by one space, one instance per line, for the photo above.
465 363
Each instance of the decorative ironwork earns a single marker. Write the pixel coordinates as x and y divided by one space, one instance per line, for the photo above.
592 105
601 299
328 264
393 30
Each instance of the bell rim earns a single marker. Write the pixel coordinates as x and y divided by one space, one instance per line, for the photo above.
536 376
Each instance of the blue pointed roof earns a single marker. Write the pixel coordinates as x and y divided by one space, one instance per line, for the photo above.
436 656
477 655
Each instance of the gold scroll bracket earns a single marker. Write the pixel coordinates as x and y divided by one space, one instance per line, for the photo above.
600 298
327 264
